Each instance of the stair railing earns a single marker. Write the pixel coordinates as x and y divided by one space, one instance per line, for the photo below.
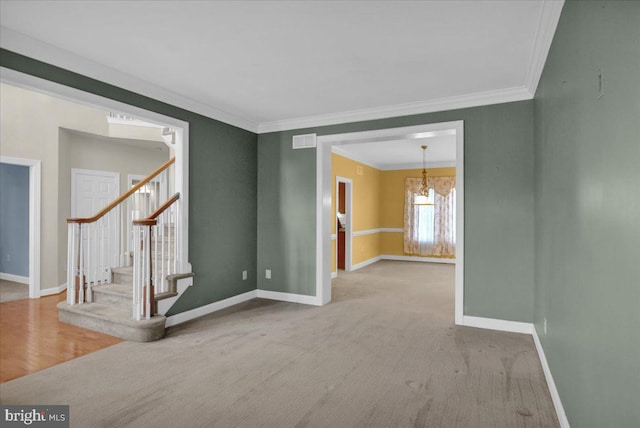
93 242
155 256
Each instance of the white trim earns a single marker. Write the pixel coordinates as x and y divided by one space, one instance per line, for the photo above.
289 297
366 232
366 263
36 49
404 259
323 199
42 51
334 275
496 324
53 290
345 154
210 308
418 165
459 275
553 390
519 93
393 167
181 146
35 198
378 230
419 259
14 278
547 24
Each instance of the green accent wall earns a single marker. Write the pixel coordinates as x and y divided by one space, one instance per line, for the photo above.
499 220
222 186
587 246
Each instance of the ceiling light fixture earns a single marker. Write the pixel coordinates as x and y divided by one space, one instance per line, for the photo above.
422 198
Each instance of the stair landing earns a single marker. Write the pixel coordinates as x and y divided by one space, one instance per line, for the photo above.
111 311
113 320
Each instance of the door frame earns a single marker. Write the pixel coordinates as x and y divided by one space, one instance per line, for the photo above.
348 199
35 186
323 200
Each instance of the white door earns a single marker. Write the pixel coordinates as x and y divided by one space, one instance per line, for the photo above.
91 191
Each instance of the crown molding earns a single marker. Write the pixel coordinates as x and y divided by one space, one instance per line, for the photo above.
441 104
418 165
45 52
393 167
547 24
345 154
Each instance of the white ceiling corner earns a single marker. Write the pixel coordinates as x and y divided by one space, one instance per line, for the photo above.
263 80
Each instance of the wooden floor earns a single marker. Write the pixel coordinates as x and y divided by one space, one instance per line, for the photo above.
32 338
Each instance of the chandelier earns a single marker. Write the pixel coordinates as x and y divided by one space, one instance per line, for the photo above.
422 197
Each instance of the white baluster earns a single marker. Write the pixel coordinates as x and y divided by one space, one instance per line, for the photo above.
147 272
82 268
70 279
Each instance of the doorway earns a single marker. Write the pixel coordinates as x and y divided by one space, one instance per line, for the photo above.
34 219
323 199
344 208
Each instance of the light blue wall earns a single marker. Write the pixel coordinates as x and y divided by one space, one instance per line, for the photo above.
14 219
587 246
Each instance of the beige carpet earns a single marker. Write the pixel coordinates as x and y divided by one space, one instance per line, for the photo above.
10 291
385 353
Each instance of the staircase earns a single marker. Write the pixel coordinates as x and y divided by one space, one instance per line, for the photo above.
110 311
130 303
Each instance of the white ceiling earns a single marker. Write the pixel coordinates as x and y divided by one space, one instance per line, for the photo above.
274 65
404 154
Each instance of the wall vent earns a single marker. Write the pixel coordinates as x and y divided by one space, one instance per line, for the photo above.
305 141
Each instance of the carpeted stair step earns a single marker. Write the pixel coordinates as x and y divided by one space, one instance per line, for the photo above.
112 320
114 294
122 275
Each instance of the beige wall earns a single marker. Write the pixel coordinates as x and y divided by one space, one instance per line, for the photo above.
88 151
29 128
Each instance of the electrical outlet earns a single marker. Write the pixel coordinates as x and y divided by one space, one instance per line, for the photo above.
244 275
545 325
267 274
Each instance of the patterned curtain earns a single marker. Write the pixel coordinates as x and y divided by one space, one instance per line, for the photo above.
429 230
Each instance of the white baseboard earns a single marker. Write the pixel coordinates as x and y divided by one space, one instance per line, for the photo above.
53 290
419 259
210 308
334 275
402 258
14 278
365 263
289 297
555 396
495 324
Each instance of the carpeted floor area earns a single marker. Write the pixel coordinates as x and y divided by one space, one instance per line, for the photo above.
384 353
10 291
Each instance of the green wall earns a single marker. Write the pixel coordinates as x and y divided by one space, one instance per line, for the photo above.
587 246
222 186
499 218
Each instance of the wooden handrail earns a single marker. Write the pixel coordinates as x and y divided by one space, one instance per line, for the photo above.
124 196
151 220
